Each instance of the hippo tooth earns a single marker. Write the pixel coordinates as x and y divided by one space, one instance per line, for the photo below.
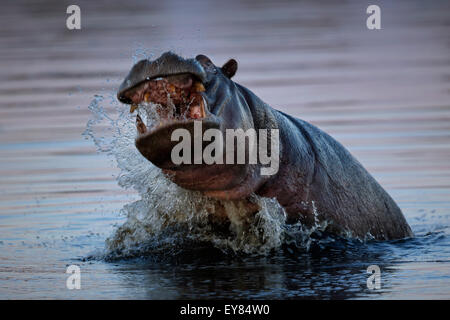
133 107
202 107
195 112
140 125
147 97
171 88
199 87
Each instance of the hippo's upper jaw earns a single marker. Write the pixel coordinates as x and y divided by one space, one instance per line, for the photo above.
166 65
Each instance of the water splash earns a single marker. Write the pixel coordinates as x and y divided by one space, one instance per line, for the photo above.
167 218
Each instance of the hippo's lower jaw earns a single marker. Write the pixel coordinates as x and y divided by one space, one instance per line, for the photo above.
156 145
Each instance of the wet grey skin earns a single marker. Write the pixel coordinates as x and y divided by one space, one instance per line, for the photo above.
318 181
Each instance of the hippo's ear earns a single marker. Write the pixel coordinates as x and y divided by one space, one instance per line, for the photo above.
229 69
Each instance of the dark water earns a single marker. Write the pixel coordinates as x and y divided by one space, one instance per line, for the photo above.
384 94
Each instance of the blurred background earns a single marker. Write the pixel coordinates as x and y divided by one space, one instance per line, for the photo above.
384 94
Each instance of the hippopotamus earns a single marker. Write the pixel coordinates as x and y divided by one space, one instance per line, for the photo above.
318 180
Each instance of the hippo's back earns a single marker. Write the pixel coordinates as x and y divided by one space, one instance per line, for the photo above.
345 194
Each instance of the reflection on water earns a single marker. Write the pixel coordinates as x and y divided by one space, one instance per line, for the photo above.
383 94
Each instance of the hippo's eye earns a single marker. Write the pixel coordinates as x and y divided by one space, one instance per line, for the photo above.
209 67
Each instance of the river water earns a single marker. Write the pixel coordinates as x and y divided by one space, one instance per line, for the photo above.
70 176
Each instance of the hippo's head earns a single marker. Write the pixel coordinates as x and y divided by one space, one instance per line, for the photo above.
187 91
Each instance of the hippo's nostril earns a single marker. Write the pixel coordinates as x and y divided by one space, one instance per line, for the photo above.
124 99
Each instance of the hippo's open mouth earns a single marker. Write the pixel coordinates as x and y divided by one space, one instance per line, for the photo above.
169 94
175 98
173 101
